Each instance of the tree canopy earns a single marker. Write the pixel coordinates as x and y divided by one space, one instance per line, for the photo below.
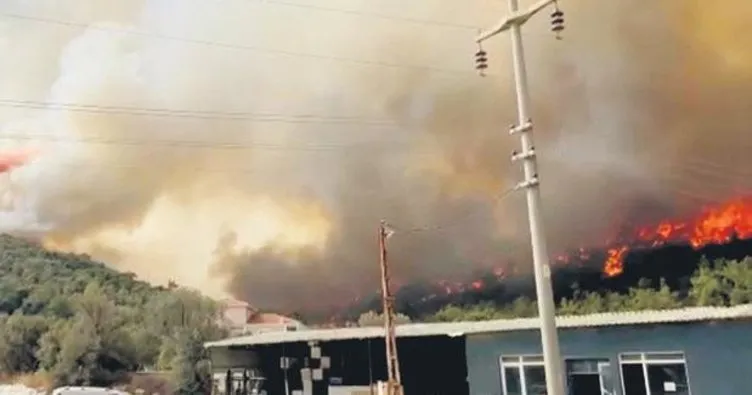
718 283
83 323
372 318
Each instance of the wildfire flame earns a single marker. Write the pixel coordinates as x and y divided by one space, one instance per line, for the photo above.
717 224
13 159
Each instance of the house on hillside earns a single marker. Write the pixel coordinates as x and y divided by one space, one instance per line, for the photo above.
691 351
243 319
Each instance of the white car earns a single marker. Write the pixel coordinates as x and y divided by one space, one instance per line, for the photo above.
87 391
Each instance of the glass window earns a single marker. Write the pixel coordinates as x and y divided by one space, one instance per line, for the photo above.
589 377
668 379
512 381
630 358
665 356
523 375
607 378
582 366
532 358
655 374
535 380
634 379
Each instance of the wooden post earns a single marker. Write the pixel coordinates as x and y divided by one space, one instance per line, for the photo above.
394 386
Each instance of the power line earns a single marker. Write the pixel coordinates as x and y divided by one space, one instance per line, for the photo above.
709 176
111 166
440 227
419 21
191 114
193 144
362 62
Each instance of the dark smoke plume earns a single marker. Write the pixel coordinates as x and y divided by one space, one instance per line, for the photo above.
640 113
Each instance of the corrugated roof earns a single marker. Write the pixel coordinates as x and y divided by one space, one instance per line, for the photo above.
692 314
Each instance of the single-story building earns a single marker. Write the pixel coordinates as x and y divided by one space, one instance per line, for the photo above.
697 351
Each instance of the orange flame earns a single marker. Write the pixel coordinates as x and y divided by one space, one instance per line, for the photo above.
615 262
718 224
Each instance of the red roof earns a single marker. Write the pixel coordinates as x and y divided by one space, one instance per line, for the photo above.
269 318
253 315
236 303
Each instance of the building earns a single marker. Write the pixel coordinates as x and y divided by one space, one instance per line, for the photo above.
242 319
697 351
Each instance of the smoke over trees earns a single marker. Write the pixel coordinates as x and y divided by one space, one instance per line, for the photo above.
210 143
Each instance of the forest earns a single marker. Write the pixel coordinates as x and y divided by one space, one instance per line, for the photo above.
721 282
75 321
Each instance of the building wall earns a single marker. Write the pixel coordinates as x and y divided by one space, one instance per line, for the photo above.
223 358
431 365
719 355
237 315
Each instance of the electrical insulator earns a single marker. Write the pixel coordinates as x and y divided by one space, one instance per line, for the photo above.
557 22
481 61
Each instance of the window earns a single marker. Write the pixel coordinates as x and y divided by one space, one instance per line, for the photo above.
523 375
589 377
654 374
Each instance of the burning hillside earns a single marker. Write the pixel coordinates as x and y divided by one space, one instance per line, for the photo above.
668 249
717 224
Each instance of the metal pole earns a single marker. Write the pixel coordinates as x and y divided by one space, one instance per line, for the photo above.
542 270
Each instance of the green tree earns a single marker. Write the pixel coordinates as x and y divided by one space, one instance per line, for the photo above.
644 297
708 287
372 318
523 307
78 353
189 368
85 323
737 275
585 303
481 312
19 342
93 349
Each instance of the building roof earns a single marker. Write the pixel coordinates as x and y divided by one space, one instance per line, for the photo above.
270 318
234 303
686 315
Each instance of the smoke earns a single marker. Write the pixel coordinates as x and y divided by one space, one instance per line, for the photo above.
273 158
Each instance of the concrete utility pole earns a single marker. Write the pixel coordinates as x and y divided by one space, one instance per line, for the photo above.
542 270
394 382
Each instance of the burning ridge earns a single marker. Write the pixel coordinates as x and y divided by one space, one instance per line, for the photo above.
666 249
719 224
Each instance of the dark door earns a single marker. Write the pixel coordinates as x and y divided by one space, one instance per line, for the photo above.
584 384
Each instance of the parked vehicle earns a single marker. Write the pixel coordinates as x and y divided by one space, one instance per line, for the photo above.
87 391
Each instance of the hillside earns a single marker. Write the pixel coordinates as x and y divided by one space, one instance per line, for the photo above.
674 264
80 322
38 281
720 282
